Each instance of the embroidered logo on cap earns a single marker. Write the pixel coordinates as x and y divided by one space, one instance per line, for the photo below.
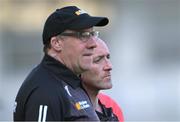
79 12
82 105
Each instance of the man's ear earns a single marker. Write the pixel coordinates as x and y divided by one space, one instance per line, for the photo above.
56 43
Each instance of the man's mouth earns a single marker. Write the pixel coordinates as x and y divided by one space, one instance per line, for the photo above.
87 54
107 76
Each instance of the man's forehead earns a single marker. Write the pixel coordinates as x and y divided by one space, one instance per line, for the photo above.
101 48
101 53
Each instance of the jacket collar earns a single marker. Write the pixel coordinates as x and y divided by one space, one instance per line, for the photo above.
61 71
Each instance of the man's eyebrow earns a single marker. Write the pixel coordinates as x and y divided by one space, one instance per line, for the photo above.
100 56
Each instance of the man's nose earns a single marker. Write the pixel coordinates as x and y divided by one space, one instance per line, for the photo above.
92 42
108 65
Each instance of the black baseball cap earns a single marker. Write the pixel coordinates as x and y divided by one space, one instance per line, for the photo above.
72 18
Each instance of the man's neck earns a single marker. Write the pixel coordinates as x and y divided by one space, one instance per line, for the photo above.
93 94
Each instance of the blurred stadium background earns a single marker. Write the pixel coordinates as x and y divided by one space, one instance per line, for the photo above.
143 37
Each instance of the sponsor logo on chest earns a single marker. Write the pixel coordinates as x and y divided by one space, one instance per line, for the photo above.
82 105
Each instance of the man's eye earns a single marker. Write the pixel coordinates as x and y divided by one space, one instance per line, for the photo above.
108 56
97 60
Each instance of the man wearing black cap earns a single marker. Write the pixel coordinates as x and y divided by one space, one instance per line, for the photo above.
53 90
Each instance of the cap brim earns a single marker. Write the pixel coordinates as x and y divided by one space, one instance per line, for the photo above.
88 22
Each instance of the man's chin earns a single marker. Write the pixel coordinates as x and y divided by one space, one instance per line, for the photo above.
107 86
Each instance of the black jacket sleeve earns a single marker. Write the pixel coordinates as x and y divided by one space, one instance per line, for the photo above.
43 105
40 104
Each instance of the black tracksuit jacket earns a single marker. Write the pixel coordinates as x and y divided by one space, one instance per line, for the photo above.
52 92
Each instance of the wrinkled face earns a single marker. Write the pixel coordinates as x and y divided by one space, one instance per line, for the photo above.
99 75
77 50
